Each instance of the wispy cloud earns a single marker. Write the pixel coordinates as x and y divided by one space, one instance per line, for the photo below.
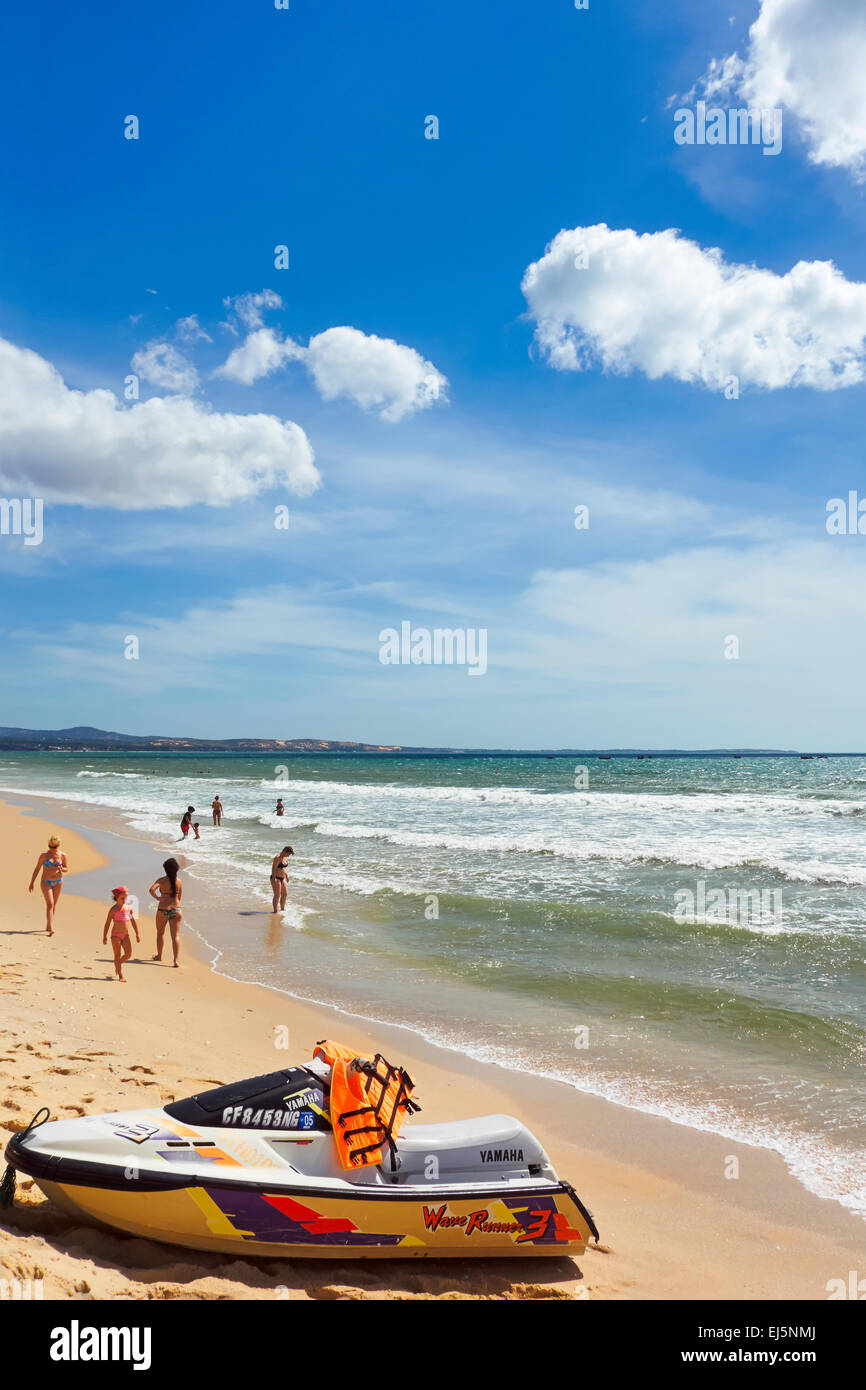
165 367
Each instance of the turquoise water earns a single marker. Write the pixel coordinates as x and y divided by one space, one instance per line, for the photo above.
684 936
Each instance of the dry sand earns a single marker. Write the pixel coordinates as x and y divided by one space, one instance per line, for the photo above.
73 1038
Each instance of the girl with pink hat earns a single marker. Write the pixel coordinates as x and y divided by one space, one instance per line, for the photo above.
119 918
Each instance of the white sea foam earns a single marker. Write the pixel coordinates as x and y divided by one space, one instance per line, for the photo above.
618 830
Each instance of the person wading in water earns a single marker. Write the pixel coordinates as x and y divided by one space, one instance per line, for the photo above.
279 877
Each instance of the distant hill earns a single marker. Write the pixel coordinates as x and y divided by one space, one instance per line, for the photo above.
82 738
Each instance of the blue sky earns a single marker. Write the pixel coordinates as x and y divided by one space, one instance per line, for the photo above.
433 480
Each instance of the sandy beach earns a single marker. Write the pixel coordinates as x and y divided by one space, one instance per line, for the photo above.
72 1038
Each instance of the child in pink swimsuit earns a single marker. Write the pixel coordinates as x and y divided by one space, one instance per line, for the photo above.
118 919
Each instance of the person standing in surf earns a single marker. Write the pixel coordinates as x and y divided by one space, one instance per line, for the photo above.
279 877
53 865
168 891
217 808
186 821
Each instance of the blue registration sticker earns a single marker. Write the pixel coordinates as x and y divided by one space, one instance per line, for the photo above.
306 1119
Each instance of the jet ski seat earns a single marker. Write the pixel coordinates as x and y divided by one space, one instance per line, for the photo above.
484 1146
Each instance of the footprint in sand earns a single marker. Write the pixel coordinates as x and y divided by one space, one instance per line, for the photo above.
62 1071
149 1070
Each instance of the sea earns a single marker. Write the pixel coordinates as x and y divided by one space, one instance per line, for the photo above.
685 936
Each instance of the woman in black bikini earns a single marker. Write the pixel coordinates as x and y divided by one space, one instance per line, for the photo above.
169 891
53 865
279 877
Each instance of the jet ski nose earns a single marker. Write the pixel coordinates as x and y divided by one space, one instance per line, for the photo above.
109 1139
68 1136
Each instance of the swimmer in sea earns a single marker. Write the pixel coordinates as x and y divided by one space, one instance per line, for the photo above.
53 865
279 877
169 891
280 808
118 919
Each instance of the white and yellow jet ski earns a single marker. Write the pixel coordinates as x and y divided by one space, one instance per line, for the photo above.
309 1161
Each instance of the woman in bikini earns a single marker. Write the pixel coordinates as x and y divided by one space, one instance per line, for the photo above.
53 865
169 891
279 877
118 919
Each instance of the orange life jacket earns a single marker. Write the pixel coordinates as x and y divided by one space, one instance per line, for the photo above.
369 1101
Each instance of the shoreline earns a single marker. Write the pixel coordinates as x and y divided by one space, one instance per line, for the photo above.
671 1225
629 1134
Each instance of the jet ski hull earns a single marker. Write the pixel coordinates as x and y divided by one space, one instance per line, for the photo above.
279 1224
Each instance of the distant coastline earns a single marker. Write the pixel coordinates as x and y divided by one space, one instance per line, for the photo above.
83 739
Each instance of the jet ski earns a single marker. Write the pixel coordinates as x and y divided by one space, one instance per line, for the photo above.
309 1161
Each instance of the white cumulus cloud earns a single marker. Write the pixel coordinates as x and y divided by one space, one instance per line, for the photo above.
87 447
808 57
261 353
662 305
162 365
376 373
